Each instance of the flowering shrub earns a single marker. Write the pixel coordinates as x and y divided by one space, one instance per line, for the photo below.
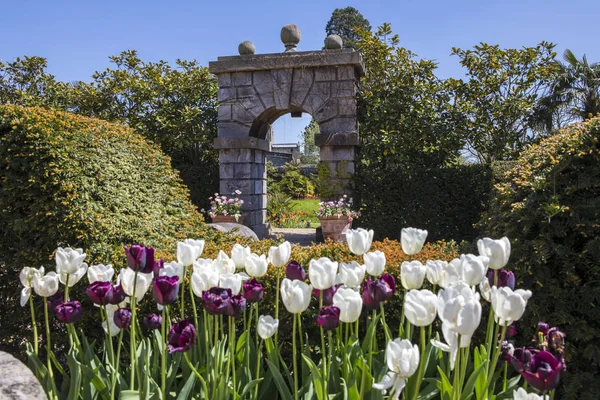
339 209
222 347
222 205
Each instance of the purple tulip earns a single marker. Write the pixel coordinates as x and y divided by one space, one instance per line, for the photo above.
253 290
69 312
216 300
182 337
385 287
122 318
152 321
100 293
329 318
368 294
327 294
55 300
294 271
543 327
165 289
505 278
543 372
511 331
158 265
236 306
140 258
522 358
119 295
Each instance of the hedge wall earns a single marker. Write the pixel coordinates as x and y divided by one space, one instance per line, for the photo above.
549 206
445 201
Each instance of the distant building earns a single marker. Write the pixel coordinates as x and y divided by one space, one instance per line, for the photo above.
283 153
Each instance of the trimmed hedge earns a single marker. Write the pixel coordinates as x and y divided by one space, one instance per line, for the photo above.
448 202
549 206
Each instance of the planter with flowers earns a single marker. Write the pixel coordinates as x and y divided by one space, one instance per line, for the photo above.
226 209
336 218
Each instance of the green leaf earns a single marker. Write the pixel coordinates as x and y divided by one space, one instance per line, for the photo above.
75 376
129 395
444 385
468 389
317 378
283 389
187 388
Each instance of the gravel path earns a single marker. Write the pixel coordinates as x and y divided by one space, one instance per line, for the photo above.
301 236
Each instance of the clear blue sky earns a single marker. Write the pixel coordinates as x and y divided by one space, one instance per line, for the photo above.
78 36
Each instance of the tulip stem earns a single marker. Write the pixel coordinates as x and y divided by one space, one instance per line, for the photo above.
295 362
232 354
388 334
421 370
195 371
258 357
132 347
401 329
217 352
67 288
495 358
117 362
277 304
111 352
163 359
323 353
33 323
195 315
53 390
456 379
183 294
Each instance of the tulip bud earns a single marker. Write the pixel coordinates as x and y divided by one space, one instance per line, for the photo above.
69 261
459 300
295 295
127 278
181 337
420 307
375 262
152 321
99 272
216 300
368 294
256 266
122 318
329 318
412 274
280 255
236 306
412 240
385 287
509 306
436 271
232 281
295 271
322 273
165 289
350 304
204 279
140 258
267 326
352 274
402 359
498 251
239 254
100 293
172 269
223 264
505 278
253 290
359 240
70 312
189 251
472 268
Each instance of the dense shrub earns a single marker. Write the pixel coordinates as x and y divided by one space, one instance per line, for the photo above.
445 201
68 180
289 181
549 206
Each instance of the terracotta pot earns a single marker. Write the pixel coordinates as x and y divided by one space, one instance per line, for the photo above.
335 228
228 218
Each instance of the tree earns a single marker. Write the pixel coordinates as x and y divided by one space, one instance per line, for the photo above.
346 22
495 105
310 151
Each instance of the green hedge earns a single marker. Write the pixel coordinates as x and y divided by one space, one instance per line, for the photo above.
549 206
445 201
68 180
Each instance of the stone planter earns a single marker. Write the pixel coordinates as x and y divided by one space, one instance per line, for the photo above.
335 228
228 218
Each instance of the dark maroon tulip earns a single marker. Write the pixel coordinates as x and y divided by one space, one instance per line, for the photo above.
152 321
236 306
327 294
165 289
505 278
158 265
511 330
140 258
543 372
294 271
253 290
69 312
216 300
100 293
385 287
368 294
54 300
182 337
122 318
522 358
329 318
119 295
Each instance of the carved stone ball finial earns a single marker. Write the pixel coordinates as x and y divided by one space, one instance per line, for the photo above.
246 48
334 42
290 36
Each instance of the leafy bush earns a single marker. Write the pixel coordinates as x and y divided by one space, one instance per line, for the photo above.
549 207
445 201
294 184
69 180
278 205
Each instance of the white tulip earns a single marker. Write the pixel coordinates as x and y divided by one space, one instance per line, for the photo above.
412 274
472 268
239 254
452 274
204 279
295 295
451 345
232 281
280 255
172 269
256 266
110 310
189 251
203 263
412 240
223 264
100 272
485 289
420 307
436 271
509 306
375 262
26 276
359 240
127 278
521 394
459 308
267 326
498 251
74 277
69 260
322 273
46 285
352 274
350 303
402 358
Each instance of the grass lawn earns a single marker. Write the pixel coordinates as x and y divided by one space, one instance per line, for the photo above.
309 206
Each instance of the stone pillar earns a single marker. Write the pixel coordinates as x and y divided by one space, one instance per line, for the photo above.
242 167
338 151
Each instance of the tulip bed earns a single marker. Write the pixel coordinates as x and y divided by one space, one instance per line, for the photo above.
209 337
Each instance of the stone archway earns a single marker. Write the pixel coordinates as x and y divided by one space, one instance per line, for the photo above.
256 89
